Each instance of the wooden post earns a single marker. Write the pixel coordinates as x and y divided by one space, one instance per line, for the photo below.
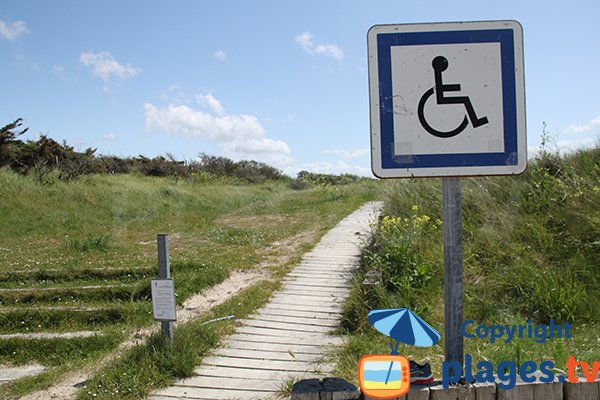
453 268
164 272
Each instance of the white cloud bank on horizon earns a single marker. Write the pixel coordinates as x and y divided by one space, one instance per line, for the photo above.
13 30
104 66
240 136
326 167
593 125
305 40
572 138
351 155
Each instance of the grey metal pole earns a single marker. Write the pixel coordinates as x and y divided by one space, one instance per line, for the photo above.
453 268
164 272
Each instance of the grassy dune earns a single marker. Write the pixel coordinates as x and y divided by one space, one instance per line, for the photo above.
531 253
79 255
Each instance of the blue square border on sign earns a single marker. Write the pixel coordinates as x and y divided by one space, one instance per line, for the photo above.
385 42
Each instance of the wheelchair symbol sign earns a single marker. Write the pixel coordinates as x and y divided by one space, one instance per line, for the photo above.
447 99
440 64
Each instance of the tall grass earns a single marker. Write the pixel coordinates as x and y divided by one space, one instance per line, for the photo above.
531 252
79 255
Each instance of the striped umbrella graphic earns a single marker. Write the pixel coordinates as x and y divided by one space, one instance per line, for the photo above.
403 326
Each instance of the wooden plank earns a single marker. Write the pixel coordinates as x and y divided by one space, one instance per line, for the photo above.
286 305
294 305
295 349
317 316
325 277
296 320
331 268
320 273
251 330
325 294
213 382
317 279
308 289
322 296
292 341
335 303
303 299
231 372
247 363
189 392
293 327
318 284
266 355
325 256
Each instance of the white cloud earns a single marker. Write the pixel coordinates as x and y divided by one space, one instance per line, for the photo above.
348 154
110 137
104 66
305 40
220 55
337 167
593 125
210 101
13 30
59 72
573 137
565 146
240 136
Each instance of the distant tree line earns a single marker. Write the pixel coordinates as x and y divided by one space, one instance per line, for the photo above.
46 157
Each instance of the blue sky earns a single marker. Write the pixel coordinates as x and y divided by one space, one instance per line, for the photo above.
277 81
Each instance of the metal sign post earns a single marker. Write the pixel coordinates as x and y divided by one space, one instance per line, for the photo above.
453 268
164 272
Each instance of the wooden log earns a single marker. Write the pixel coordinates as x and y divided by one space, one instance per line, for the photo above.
581 390
454 392
418 392
326 389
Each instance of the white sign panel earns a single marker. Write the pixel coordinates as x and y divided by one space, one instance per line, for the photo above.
163 299
447 99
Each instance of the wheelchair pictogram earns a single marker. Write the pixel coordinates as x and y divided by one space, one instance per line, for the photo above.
440 64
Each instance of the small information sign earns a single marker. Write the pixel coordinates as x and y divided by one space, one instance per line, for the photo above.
163 300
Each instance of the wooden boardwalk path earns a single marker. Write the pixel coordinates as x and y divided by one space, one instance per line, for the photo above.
288 337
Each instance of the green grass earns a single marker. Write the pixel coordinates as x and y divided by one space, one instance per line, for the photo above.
100 230
531 252
156 364
56 352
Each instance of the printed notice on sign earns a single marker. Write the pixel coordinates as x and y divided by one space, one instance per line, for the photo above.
163 300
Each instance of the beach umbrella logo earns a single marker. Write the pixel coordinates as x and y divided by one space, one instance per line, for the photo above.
403 326
385 376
